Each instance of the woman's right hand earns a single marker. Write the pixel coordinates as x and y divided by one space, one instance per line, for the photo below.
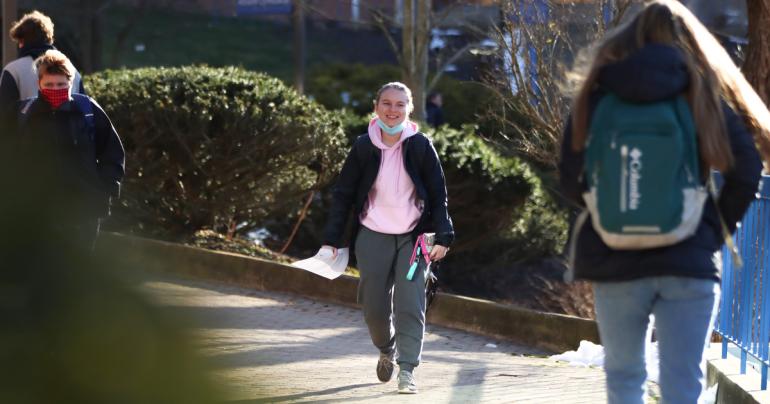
330 248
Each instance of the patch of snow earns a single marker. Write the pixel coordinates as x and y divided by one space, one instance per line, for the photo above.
587 354
258 236
590 354
709 396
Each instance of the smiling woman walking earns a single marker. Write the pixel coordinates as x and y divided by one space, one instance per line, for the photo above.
393 181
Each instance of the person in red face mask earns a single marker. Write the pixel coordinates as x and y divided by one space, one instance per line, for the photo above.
55 89
83 155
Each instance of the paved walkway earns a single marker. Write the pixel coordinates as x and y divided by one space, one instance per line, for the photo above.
277 348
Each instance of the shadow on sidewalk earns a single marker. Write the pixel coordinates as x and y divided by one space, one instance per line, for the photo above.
293 397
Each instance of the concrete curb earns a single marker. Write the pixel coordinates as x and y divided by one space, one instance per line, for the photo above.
734 388
549 331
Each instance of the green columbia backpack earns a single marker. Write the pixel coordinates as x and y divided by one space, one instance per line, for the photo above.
643 175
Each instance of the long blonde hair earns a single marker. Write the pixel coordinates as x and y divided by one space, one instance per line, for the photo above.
713 78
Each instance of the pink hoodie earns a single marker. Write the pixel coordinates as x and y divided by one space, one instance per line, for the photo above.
392 207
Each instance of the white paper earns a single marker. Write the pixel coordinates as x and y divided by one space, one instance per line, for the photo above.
325 264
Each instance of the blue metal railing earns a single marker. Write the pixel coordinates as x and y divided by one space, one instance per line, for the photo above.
744 313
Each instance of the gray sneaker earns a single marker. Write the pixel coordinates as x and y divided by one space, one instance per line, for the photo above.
385 366
406 383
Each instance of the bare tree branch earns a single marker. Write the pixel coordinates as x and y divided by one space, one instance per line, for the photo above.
440 70
379 20
533 101
104 6
122 35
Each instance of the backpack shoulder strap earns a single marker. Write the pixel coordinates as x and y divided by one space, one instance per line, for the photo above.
85 106
24 109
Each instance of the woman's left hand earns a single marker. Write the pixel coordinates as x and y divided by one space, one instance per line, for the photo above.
438 252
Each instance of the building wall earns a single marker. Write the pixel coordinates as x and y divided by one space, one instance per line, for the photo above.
215 7
341 10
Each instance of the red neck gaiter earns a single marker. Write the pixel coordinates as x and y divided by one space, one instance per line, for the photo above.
55 97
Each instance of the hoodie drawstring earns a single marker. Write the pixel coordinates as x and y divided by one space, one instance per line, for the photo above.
398 151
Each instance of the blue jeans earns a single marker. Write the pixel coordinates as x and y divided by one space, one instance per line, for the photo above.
684 310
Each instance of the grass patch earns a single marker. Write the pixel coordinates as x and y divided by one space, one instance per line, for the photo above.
173 38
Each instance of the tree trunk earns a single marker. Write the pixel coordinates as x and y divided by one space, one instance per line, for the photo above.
299 46
757 65
422 43
96 42
122 36
407 44
414 49
86 30
10 12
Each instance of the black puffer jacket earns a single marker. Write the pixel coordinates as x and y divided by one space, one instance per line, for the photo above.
658 72
357 178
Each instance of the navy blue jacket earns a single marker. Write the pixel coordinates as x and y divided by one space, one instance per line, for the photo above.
658 72
357 178
91 168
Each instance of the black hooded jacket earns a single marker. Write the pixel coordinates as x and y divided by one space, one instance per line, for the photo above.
658 72
359 173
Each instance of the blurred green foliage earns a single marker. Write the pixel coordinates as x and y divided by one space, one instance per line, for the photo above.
75 326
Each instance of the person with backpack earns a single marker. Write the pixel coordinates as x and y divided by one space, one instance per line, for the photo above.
84 155
393 182
34 35
661 105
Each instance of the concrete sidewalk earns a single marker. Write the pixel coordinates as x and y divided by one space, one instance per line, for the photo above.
277 348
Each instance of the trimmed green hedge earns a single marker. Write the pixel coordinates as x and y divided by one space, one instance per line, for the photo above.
219 148
496 196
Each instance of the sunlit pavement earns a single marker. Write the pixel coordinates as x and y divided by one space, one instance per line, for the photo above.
277 348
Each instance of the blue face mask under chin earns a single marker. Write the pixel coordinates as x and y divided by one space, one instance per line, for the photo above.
392 131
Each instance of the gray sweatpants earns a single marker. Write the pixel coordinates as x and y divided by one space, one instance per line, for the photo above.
386 294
